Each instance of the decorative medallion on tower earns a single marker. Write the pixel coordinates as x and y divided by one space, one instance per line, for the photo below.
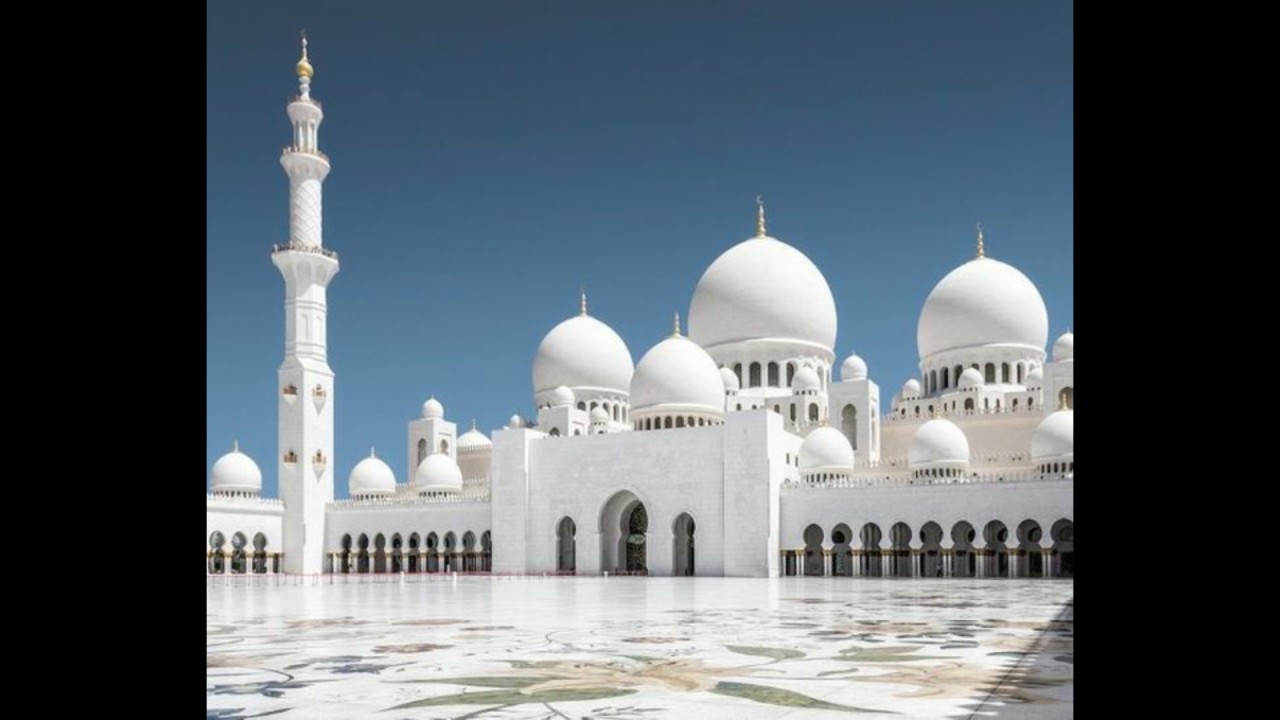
318 396
318 463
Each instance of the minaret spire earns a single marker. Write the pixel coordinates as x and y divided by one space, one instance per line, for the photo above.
675 332
582 300
760 231
305 71
981 253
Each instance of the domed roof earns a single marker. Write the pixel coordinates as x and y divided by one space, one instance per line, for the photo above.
938 443
1064 347
582 352
970 378
236 472
982 302
763 288
677 372
515 421
806 379
826 447
730 379
910 389
599 415
562 396
432 408
371 476
853 368
473 439
1055 437
438 473
1035 377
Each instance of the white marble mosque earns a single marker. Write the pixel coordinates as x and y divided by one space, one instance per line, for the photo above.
740 446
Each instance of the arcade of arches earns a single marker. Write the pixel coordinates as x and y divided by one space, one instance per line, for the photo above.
1025 550
429 553
239 557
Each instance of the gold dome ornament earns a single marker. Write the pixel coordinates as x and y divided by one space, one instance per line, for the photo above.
304 66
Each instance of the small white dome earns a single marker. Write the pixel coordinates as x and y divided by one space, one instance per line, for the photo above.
826 448
679 375
938 443
1035 378
853 368
806 379
1054 439
438 473
970 378
599 415
730 378
432 408
763 288
562 396
910 389
371 476
582 352
981 303
1064 347
236 472
473 440
515 421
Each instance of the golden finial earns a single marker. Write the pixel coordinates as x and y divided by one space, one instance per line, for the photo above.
304 66
676 331
473 424
760 217
235 446
582 300
980 250
371 452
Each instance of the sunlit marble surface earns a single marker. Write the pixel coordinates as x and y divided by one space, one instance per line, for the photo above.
630 648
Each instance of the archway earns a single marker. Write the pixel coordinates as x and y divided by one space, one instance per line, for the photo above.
1063 533
345 562
683 551
362 560
624 525
813 556
433 553
931 550
217 562
870 536
996 553
900 538
1030 559
450 552
238 541
486 551
849 424
259 553
842 553
414 561
379 553
395 559
468 551
566 546
964 561
422 450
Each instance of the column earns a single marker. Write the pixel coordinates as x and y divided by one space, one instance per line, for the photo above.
828 563
1046 563
981 564
248 562
226 563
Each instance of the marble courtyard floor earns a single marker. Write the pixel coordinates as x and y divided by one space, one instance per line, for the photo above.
627 648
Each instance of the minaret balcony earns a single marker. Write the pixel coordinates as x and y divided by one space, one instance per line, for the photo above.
295 149
304 248
311 100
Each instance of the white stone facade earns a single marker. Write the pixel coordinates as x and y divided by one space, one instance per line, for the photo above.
693 461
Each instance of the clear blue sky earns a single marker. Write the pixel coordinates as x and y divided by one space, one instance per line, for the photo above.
491 157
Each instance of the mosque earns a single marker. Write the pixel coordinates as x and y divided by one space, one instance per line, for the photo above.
732 449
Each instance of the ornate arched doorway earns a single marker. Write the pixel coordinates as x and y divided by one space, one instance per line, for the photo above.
683 553
624 528
566 546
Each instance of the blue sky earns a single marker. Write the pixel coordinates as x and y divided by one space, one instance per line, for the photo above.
491 157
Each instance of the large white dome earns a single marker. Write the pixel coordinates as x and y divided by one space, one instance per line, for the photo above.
938 443
582 352
236 472
438 473
371 476
763 288
826 448
677 373
473 440
1054 439
982 302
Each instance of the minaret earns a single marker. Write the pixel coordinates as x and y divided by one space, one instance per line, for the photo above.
305 460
